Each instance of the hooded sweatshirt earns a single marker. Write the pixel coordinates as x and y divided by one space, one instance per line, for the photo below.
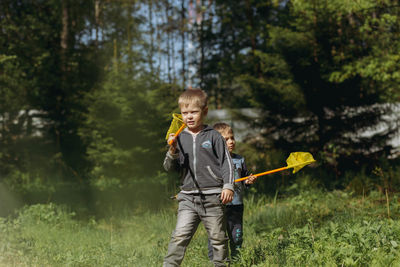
204 162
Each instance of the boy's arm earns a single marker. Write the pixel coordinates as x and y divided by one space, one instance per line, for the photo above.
227 168
245 173
171 159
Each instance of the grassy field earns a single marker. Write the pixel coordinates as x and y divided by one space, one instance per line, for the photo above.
311 228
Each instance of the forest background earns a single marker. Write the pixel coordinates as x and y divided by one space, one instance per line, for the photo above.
88 88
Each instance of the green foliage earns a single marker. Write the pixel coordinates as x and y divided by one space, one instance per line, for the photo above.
318 71
354 243
49 235
56 108
261 159
83 91
320 229
381 177
124 128
24 182
313 227
41 213
42 83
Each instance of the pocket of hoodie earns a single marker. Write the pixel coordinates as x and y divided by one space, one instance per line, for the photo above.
213 174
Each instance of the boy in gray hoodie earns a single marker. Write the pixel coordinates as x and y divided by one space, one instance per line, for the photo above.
207 174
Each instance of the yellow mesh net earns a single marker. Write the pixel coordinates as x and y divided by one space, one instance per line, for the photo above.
298 160
176 123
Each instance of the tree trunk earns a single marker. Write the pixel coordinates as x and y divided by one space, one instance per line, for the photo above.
183 21
115 54
58 112
97 20
64 35
151 50
167 7
129 38
200 19
257 70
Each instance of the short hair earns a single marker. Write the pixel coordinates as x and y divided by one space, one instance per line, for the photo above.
223 127
193 96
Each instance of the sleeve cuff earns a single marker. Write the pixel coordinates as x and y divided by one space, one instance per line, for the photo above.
172 156
228 186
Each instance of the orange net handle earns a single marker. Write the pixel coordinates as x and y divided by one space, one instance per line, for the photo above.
177 133
262 173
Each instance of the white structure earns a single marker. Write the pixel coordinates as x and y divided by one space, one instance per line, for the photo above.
243 128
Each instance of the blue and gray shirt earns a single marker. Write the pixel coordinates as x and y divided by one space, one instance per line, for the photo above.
240 171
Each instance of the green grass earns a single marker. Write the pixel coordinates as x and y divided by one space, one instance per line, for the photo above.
314 228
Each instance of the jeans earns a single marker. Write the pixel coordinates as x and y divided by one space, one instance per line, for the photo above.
193 209
234 220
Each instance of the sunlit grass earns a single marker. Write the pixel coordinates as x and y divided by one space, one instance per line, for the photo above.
314 228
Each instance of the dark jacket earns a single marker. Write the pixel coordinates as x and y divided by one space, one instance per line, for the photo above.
240 171
203 160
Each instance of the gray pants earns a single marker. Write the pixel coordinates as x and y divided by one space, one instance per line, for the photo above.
193 209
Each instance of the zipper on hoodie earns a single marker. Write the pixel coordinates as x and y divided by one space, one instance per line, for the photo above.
194 156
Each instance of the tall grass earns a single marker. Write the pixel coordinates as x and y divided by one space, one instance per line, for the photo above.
313 228
319 228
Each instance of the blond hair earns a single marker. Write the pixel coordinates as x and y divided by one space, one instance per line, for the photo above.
223 128
193 96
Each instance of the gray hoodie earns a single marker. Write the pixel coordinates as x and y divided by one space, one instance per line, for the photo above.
204 162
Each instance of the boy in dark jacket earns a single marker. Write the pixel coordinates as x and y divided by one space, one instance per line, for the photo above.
234 210
201 155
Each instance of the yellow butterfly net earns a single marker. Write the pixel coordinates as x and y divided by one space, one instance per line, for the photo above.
176 126
298 160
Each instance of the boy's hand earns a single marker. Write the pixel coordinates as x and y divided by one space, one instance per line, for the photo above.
226 196
251 179
172 147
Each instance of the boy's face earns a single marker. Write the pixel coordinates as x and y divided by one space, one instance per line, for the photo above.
193 116
230 140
